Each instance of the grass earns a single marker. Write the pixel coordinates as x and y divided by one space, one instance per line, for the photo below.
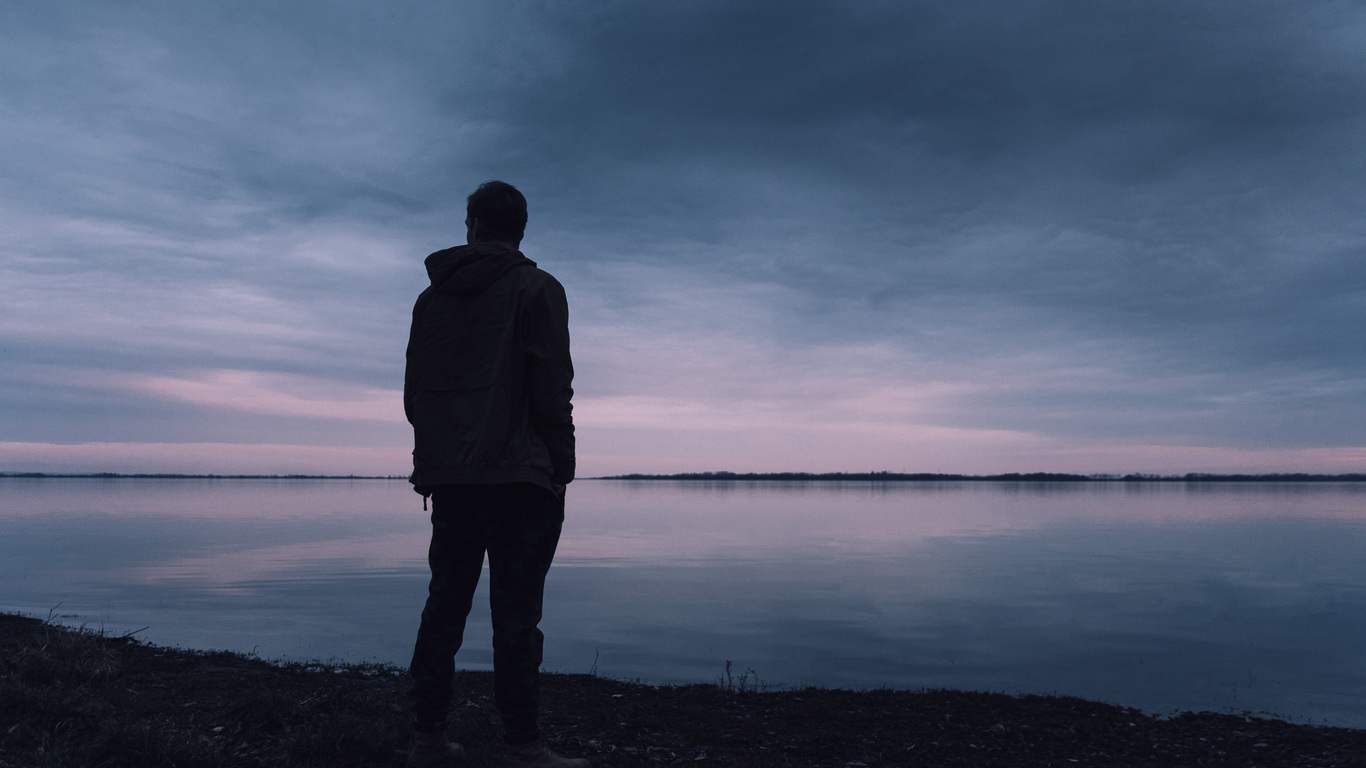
73 697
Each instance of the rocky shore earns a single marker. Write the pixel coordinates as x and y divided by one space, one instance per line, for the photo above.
78 698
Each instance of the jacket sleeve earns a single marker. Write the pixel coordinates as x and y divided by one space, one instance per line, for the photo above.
550 374
409 358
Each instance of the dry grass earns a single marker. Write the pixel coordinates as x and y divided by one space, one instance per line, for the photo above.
72 697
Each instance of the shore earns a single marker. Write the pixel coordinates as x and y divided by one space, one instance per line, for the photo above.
77 698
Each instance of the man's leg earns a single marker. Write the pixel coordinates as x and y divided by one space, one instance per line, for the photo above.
456 557
522 541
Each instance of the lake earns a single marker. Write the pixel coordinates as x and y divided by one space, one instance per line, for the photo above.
1162 596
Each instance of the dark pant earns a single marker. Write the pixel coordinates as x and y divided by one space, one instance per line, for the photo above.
518 524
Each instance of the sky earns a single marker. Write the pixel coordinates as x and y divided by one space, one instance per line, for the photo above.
975 236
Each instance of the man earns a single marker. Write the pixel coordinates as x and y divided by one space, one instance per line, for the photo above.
487 390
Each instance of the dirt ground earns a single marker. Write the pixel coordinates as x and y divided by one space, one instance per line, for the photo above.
74 698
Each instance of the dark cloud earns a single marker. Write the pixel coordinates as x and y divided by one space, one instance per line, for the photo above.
1134 220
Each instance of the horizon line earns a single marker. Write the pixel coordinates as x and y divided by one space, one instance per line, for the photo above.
191 476
879 476
1047 477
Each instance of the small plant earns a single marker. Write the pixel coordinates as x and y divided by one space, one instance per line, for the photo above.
79 656
738 684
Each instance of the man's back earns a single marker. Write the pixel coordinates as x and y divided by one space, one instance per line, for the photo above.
488 382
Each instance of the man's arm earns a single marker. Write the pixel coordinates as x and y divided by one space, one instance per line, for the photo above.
550 374
408 357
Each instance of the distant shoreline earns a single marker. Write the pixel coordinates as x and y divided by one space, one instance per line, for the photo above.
174 476
1013 477
859 477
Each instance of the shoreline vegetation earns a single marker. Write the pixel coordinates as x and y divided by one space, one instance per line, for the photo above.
177 476
1012 477
861 477
76 697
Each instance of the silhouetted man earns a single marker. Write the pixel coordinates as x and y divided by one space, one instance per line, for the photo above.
487 391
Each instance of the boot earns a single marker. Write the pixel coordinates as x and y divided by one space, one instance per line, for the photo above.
433 750
536 754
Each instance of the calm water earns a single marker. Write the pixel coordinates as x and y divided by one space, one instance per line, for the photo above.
1243 597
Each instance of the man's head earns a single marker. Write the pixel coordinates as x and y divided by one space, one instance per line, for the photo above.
496 212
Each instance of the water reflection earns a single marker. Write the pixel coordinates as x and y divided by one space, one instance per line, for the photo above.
1161 596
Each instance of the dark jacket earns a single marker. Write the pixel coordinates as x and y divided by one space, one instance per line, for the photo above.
487 387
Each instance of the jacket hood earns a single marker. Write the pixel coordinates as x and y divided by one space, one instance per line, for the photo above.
468 269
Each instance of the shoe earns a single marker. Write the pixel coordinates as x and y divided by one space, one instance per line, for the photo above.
432 750
537 755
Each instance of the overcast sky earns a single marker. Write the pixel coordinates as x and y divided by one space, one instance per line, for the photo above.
970 236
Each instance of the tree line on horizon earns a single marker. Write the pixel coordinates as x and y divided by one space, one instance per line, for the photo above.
1018 477
1026 477
179 476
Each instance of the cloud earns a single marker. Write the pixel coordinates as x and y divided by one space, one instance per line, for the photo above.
1121 224
255 392
204 458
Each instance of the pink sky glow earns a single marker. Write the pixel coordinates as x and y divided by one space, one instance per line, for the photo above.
620 451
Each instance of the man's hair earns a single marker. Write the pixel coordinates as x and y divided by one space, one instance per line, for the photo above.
500 208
